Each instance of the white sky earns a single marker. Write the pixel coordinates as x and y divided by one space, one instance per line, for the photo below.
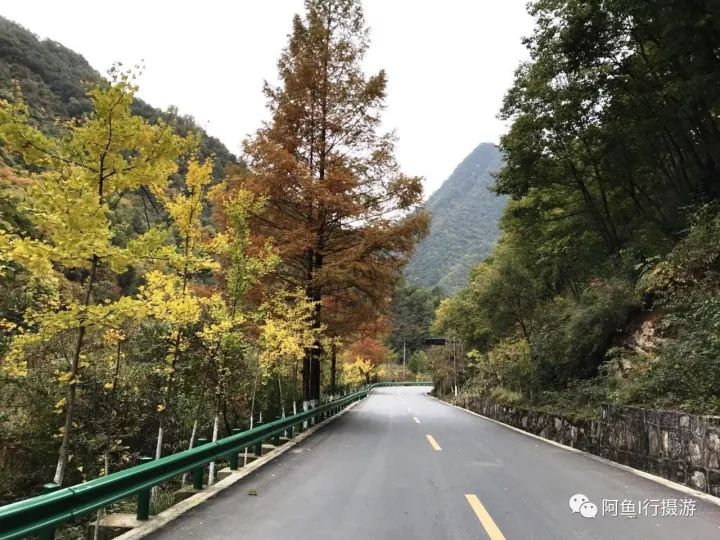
449 62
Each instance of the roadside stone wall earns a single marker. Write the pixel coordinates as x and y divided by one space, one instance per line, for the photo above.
681 447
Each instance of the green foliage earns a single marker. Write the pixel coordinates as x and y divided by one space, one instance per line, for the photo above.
54 81
611 166
575 333
684 369
508 366
413 310
418 363
464 227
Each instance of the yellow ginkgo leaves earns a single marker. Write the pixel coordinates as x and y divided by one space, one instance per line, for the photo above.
287 331
165 297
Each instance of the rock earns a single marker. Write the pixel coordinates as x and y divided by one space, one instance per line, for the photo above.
694 453
184 493
698 480
113 525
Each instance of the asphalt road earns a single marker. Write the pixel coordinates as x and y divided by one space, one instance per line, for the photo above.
401 465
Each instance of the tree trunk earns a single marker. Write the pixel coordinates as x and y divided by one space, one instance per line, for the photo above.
72 386
316 351
190 446
98 514
333 370
282 403
211 473
294 384
252 411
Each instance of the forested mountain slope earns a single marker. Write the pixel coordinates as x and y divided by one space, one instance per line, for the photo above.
465 216
604 285
54 81
150 294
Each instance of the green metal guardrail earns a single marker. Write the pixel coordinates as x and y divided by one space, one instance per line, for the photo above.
40 515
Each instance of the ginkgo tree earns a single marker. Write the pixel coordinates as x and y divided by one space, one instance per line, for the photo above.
82 175
226 310
168 294
286 334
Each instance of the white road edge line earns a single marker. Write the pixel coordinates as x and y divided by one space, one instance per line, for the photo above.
657 479
417 420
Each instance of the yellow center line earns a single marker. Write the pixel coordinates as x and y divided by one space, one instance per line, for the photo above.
433 442
485 519
417 420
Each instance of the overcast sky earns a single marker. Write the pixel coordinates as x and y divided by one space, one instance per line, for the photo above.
448 62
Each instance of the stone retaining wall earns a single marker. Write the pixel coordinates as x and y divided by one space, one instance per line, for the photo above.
681 447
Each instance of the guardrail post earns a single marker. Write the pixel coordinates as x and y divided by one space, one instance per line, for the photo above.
289 432
198 473
49 532
258 446
276 437
233 456
143 497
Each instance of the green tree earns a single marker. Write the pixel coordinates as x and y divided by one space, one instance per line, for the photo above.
418 363
412 313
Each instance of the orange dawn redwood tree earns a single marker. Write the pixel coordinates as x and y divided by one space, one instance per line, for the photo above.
343 217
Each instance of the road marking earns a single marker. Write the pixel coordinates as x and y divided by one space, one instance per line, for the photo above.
417 420
485 519
657 479
433 442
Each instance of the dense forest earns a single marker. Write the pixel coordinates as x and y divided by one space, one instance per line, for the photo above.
155 289
604 284
464 227
54 82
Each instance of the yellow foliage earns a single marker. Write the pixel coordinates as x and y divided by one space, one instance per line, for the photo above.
287 331
97 160
164 298
358 371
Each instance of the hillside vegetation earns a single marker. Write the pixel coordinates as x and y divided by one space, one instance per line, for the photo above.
54 82
153 290
465 223
604 285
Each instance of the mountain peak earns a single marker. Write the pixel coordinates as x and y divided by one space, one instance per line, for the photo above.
465 223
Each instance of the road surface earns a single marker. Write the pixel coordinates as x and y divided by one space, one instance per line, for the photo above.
401 465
